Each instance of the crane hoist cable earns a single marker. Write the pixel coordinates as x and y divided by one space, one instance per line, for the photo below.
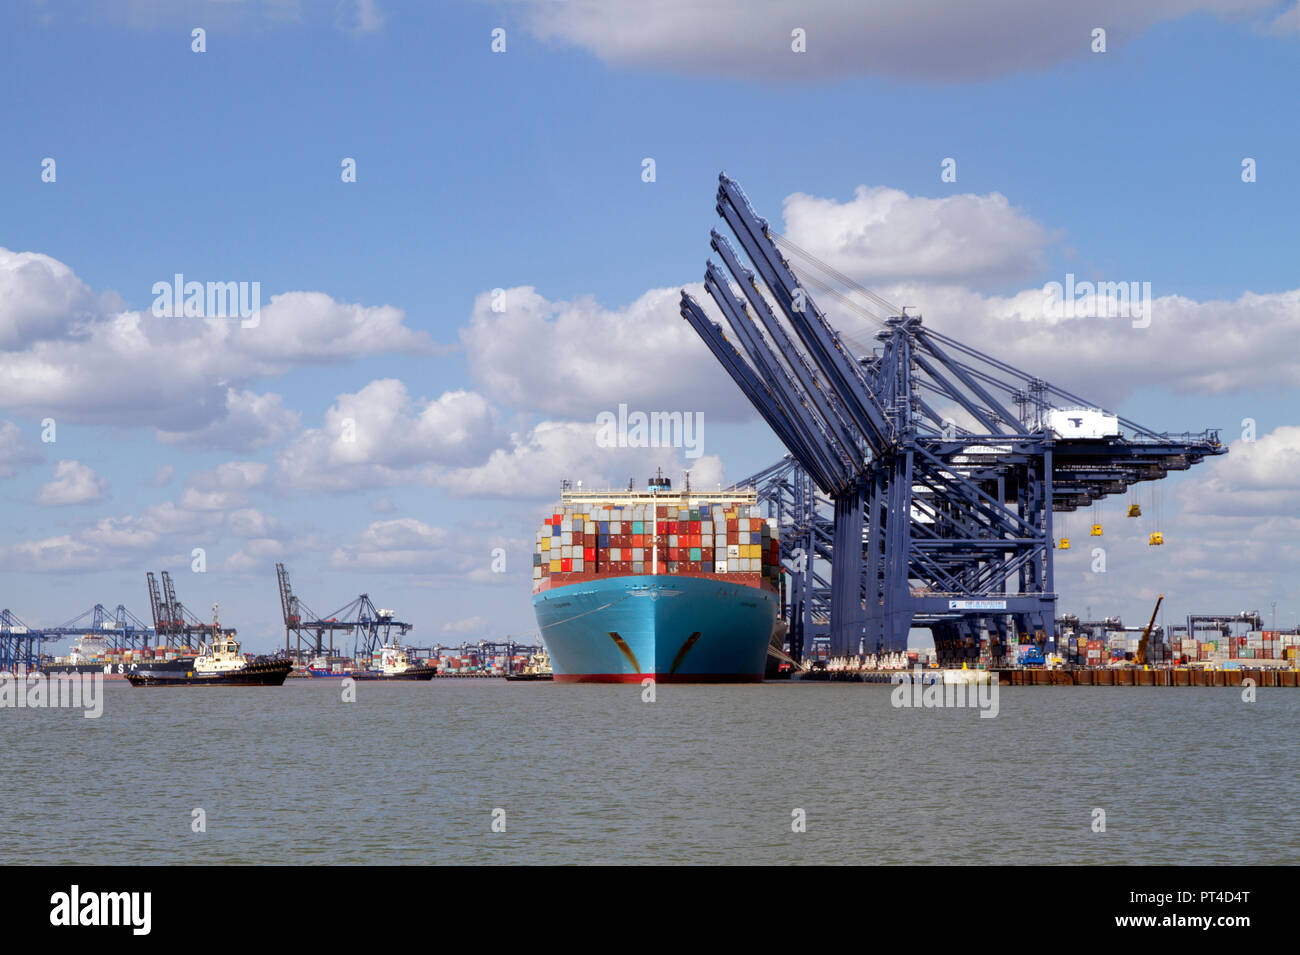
786 243
1156 537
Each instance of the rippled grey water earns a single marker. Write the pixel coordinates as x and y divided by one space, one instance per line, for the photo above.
410 773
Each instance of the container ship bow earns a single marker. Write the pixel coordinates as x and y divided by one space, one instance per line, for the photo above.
675 586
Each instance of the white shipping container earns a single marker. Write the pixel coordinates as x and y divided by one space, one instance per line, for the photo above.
1082 423
720 567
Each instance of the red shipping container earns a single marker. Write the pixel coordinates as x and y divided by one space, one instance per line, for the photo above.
557 519
695 527
661 511
733 525
589 553
638 540
548 523
566 565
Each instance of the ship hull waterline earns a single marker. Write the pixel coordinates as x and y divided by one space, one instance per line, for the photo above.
254 674
667 628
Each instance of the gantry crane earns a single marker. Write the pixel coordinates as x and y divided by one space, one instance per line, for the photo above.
173 624
20 645
933 522
122 629
312 635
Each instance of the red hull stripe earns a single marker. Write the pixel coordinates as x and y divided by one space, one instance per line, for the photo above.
659 677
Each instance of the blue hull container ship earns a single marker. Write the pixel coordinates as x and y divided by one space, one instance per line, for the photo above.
671 586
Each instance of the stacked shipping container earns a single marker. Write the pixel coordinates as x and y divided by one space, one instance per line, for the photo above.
1256 645
683 535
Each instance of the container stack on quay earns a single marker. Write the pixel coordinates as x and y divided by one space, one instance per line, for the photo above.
472 663
1084 652
1266 645
127 657
1256 645
728 539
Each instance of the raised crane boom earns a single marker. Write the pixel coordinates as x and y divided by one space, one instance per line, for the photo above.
1141 658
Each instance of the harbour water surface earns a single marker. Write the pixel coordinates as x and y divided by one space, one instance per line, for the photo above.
411 773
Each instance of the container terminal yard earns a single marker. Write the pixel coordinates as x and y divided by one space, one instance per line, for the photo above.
112 642
927 485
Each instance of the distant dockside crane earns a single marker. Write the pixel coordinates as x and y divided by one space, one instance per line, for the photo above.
173 625
21 645
308 635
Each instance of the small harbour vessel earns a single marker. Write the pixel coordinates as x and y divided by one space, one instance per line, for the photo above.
320 668
219 663
393 663
538 667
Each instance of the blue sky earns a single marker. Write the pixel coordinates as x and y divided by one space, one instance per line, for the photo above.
478 171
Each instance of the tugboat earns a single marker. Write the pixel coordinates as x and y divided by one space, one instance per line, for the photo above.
218 664
394 664
538 667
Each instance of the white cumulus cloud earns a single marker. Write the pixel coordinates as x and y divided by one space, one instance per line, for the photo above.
250 421
536 461
381 436
74 483
17 450
885 234
576 359
933 40
70 356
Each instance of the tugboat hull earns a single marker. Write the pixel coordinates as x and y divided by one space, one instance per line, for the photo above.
270 673
414 673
